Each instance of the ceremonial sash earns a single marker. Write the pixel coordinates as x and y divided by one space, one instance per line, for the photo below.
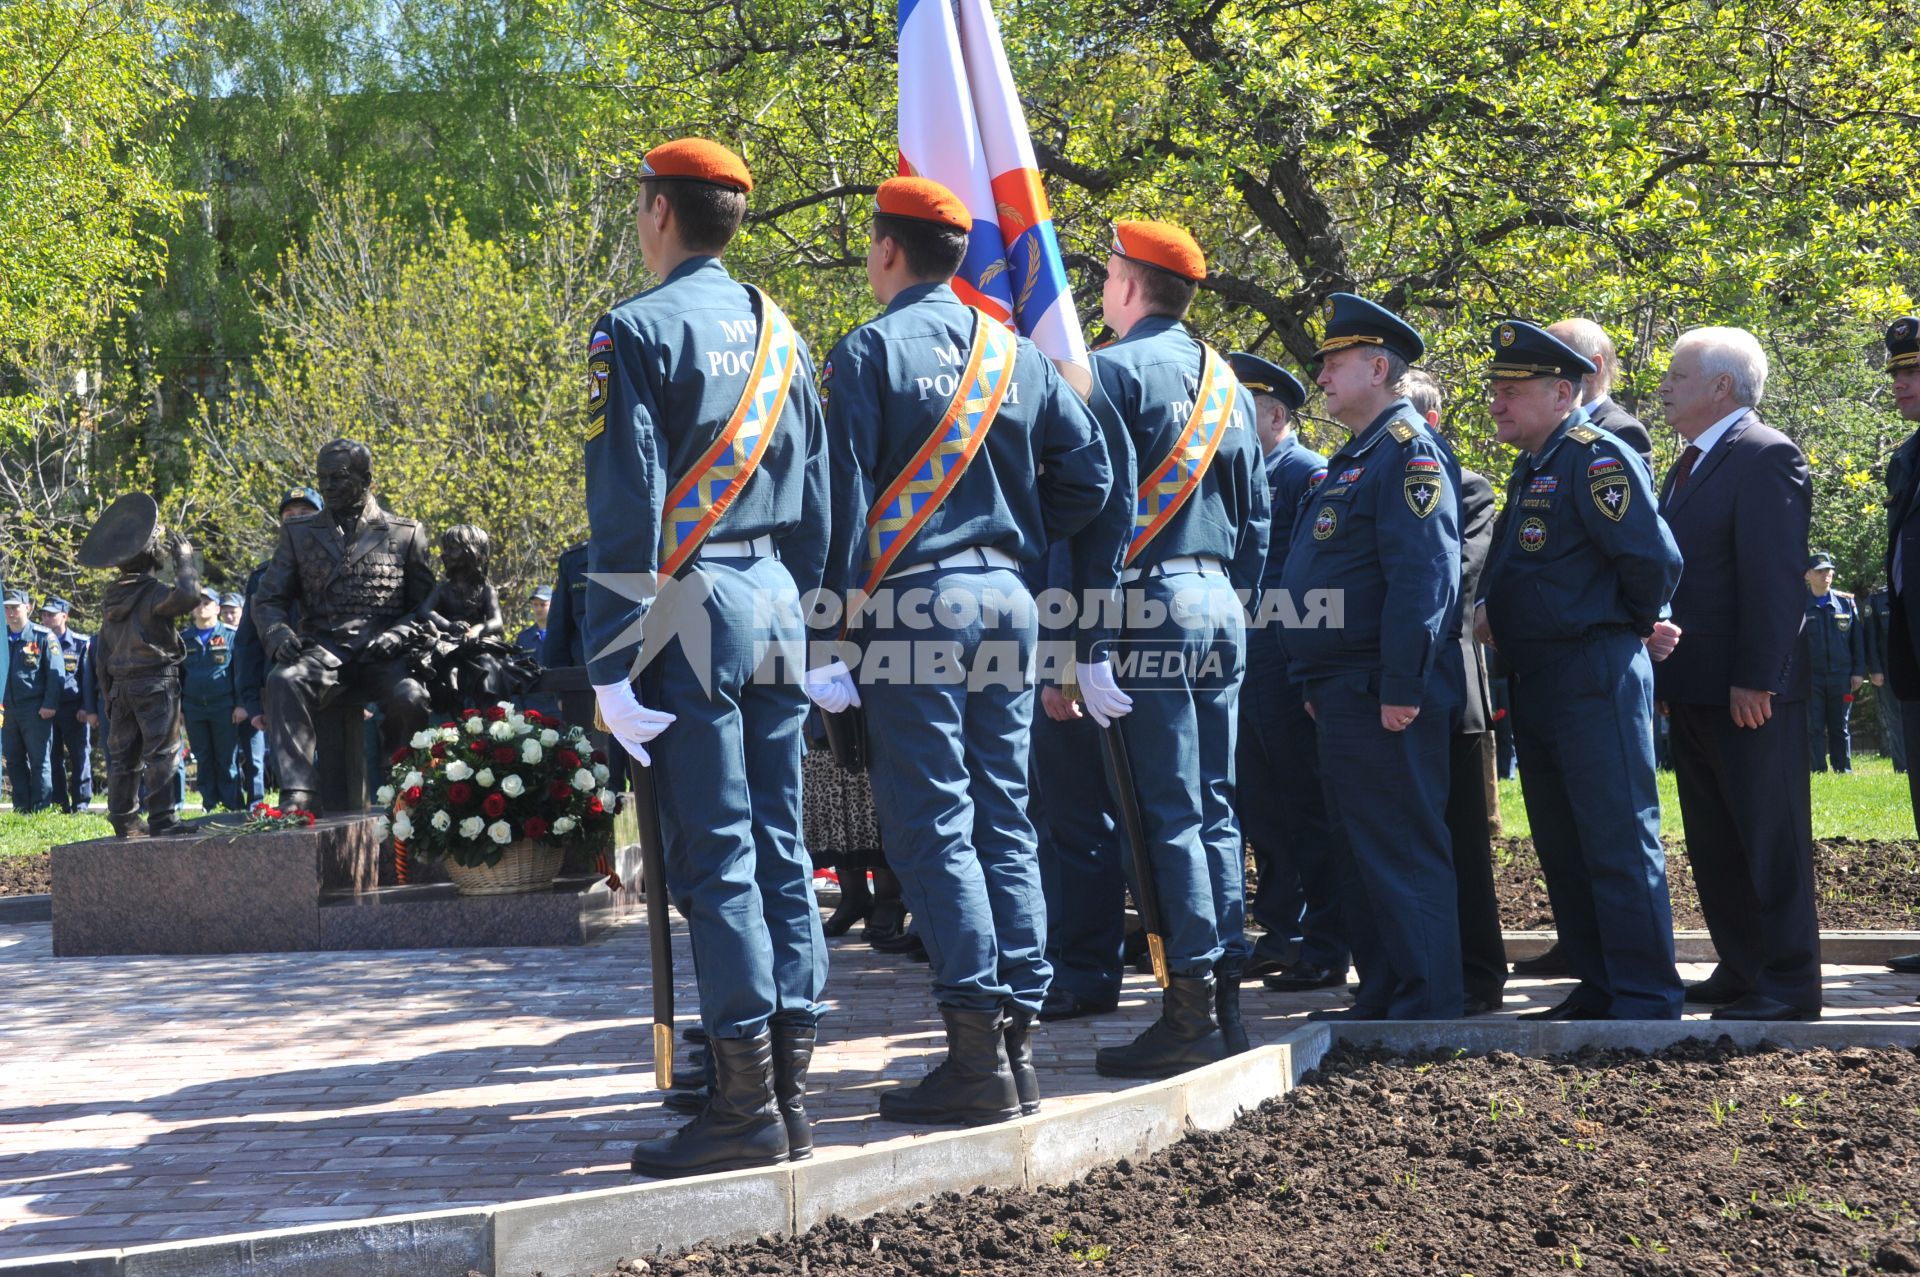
1168 486
696 503
910 500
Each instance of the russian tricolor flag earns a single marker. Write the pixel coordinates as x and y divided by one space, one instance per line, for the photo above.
962 125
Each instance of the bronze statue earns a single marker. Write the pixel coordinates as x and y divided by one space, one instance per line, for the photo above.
455 643
137 655
356 574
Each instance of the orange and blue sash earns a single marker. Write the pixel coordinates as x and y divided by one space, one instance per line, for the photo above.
698 501
910 500
1175 479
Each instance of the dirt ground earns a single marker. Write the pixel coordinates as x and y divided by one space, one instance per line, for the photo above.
1702 1159
26 875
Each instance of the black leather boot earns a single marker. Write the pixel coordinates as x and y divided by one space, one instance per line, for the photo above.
973 1086
689 1093
1026 1081
1185 1036
1226 1007
856 902
739 1128
792 1055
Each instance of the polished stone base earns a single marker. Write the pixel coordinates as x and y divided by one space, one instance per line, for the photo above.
303 890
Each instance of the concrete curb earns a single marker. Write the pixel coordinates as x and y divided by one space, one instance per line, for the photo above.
35 908
1837 948
574 1234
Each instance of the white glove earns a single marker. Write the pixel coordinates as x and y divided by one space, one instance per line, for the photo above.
832 688
1099 693
631 723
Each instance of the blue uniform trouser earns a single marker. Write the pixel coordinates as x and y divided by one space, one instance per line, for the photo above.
216 756
1828 712
1182 660
1584 728
943 671
1893 732
728 777
1387 794
1283 812
72 759
1081 854
27 741
253 763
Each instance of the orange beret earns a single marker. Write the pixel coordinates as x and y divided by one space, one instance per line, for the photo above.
922 199
695 159
1160 244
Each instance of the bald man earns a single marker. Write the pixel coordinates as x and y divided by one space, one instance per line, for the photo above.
1596 390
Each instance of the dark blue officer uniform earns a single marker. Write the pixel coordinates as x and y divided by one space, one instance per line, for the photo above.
1374 574
667 369
564 645
33 683
1582 566
1278 795
944 646
72 747
207 701
1836 643
1876 615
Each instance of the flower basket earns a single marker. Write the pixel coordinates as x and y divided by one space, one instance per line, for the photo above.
524 866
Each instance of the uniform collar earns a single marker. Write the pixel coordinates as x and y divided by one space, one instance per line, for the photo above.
1539 461
916 293
1153 326
1377 429
693 264
1287 444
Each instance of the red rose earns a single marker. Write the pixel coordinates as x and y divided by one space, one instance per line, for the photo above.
559 791
439 749
569 759
460 793
495 806
412 795
495 714
536 827
445 726
599 755
400 755
309 816
593 806
477 746
534 716
503 754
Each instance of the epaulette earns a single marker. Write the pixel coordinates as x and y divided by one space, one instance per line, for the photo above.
1402 429
1584 434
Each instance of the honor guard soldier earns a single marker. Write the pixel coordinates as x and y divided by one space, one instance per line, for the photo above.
32 702
1281 803
1381 533
1581 569
706 469
1836 639
1197 535
207 702
960 455
72 746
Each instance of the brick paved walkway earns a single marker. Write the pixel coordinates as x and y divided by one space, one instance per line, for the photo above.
145 1099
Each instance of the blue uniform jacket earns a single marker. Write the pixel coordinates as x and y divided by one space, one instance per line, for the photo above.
207 683
1836 637
1042 475
667 369
531 640
33 680
1292 469
1580 546
250 652
565 643
1381 531
76 666
1875 613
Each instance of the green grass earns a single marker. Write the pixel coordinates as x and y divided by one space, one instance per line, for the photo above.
1872 802
25 835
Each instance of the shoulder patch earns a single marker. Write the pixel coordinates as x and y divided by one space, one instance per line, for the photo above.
1583 434
1401 429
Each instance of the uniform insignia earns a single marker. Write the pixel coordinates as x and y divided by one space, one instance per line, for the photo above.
1543 484
826 381
1401 430
73 662
1317 477
1604 465
1902 329
1350 475
1845 622
1506 334
1533 534
600 345
1324 523
1422 485
1612 494
218 640
1583 434
598 371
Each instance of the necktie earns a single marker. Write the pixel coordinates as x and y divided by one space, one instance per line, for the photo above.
1685 471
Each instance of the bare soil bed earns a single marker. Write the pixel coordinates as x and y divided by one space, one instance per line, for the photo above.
1863 885
26 875
1702 1159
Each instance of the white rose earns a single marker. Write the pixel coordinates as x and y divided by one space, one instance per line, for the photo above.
513 787
403 826
382 826
549 738
500 833
422 738
502 730
519 724
471 827
457 770
448 735
606 799
530 751
583 779
411 779
564 825
476 725
442 821
383 795
483 777
600 772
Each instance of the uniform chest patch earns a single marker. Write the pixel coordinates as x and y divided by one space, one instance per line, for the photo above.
1352 474
1533 534
1542 484
1324 523
1422 485
1845 622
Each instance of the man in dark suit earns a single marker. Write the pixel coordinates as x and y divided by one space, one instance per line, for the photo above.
1902 655
1596 389
1739 501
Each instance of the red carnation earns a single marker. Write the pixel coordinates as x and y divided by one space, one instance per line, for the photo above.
439 749
460 793
536 827
503 754
495 806
477 746
412 795
307 814
569 759
273 813
599 755
559 791
593 806
534 716
400 755
495 714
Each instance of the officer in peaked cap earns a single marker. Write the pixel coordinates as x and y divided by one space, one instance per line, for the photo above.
1837 651
1196 535
72 746
706 472
31 698
1382 529
1581 570
1279 798
960 456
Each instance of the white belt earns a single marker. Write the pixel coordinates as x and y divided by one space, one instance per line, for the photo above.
1195 564
760 547
974 556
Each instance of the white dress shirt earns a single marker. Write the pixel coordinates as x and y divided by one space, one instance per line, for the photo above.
1712 435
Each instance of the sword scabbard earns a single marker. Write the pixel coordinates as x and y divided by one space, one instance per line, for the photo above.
663 1056
1157 950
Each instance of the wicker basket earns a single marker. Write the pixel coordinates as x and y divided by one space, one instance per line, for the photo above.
524 866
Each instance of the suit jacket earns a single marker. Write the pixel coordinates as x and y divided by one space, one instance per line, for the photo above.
1903 611
1741 524
1476 539
345 594
1625 427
